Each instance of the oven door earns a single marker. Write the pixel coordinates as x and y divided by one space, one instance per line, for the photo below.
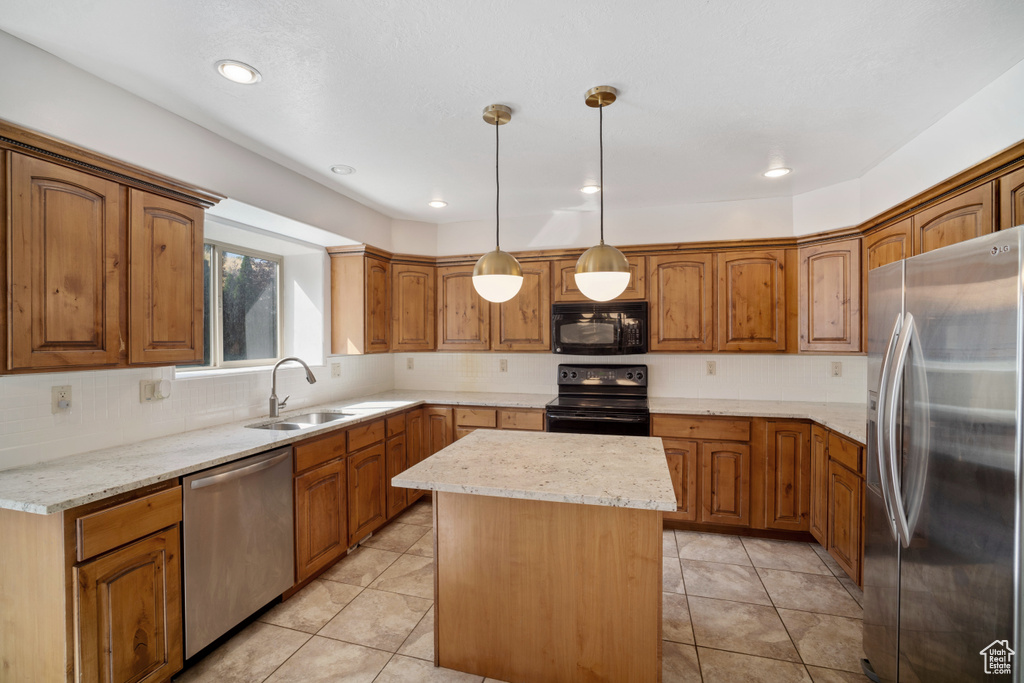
583 422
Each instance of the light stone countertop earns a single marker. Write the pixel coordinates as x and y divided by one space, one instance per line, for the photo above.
590 469
67 482
849 419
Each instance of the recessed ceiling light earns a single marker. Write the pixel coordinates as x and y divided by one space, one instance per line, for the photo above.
777 172
437 204
341 169
238 72
590 189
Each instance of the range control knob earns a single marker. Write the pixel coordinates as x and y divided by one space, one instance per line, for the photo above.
639 375
629 375
573 374
564 374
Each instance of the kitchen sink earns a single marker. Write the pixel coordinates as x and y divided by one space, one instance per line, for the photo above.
302 421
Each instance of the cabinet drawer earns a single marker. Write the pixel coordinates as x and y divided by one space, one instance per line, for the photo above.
718 429
531 420
107 529
361 437
318 451
476 417
395 425
846 452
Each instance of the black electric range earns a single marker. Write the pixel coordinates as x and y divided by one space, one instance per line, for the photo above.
600 399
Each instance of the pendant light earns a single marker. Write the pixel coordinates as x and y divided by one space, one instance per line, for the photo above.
497 276
602 273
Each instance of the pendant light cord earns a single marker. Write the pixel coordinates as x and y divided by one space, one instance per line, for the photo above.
600 137
497 191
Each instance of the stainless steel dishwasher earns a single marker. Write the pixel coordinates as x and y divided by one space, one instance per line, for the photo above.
239 550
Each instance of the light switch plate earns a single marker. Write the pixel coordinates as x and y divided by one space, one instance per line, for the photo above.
59 395
409 363
503 365
837 369
711 367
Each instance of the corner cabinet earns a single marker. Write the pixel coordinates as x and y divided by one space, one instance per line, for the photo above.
105 260
830 301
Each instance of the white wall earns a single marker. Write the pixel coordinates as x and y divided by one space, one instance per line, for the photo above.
781 377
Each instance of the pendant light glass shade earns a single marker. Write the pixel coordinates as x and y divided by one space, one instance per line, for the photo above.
497 275
602 273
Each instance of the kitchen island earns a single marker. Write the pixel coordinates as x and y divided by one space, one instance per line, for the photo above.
548 554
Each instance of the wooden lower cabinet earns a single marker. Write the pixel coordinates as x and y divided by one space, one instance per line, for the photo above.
818 520
128 604
725 483
845 518
366 495
683 456
439 429
396 461
321 513
787 476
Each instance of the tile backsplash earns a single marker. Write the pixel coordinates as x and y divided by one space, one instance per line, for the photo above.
753 377
106 411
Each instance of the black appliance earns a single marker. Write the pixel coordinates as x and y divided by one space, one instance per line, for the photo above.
599 329
600 399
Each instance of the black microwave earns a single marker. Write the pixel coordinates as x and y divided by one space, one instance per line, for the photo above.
599 329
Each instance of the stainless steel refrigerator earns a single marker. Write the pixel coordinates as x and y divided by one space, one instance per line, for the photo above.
942 565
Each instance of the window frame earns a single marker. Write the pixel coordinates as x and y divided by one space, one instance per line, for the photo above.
217 361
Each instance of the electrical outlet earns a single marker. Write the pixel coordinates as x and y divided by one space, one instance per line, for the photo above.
335 370
60 399
711 367
837 369
502 365
409 363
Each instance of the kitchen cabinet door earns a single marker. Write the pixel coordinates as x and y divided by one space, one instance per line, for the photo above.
321 511
166 275
887 245
66 264
752 301
360 302
378 305
725 483
788 476
845 506
829 294
366 495
819 484
439 429
415 445
956 219
565 281
463 316
413 302
396 459
523 323
128 612
683 302
1011 199
683 456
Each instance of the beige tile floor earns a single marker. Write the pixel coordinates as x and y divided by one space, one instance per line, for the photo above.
733 610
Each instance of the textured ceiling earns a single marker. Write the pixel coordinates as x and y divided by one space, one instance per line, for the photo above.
711 93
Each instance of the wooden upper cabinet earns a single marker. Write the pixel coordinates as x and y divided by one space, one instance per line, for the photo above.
360 302
66 258
752 300
956 219
887 245
378 305
682 302
788 476
829 290
413 303
463 316
523 323
1011 199
565 281
166 274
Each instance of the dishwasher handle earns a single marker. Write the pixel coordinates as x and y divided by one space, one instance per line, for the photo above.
239 473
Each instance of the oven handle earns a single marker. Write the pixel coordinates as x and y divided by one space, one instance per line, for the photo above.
595 418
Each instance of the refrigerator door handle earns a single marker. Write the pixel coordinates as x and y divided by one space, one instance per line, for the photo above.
880 445
900 516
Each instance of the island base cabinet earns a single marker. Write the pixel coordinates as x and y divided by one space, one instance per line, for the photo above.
321 532
539 591
129 612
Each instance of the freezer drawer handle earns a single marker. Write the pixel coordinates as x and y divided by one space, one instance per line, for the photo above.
239 473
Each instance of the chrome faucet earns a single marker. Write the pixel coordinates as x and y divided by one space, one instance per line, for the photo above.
275 407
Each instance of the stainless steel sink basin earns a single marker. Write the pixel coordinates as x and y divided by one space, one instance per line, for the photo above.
302 421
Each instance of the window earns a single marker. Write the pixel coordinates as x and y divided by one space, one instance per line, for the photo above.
242 303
